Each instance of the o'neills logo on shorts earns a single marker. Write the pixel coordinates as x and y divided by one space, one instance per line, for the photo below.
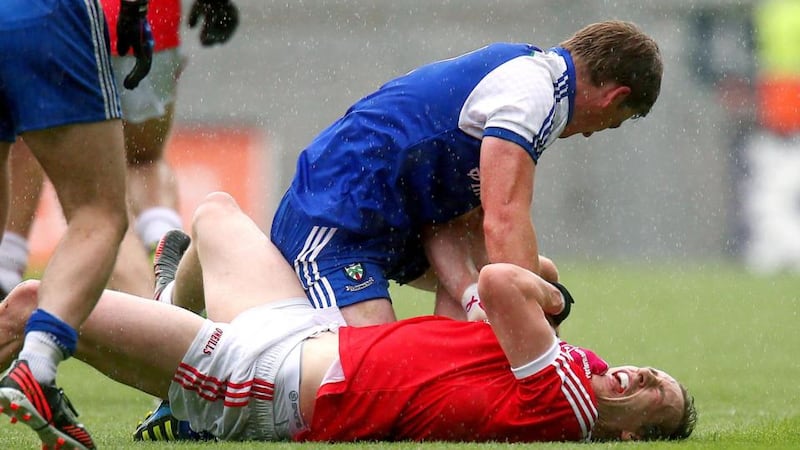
212 341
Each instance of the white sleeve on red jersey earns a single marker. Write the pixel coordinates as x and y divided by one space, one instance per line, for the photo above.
539 363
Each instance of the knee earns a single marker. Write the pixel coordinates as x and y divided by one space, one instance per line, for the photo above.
215 204
25 290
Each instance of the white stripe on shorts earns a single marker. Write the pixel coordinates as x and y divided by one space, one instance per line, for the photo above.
320 292
103 58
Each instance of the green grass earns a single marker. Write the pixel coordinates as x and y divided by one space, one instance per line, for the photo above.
733 338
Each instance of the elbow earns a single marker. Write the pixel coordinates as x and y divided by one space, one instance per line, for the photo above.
494 280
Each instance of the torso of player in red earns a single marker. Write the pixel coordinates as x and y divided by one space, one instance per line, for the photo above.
436 379
164 17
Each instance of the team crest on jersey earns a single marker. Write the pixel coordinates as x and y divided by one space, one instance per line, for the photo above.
354 271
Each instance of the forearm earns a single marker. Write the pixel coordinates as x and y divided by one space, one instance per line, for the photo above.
451 249
448 249
448 306
507 181
511 238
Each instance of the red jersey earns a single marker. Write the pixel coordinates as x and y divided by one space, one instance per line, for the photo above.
436 379
164 17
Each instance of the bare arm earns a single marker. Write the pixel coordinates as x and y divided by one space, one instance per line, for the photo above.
449 248
516 301
456 252
507 179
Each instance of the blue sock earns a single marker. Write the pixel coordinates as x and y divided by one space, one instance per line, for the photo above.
48 341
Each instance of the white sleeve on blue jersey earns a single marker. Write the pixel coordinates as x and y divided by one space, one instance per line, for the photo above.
516 96
519 96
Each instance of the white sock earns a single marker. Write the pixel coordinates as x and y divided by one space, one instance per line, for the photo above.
166 295
471 303
13 260
153 223
43 355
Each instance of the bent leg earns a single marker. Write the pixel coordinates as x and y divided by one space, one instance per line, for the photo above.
241 268
370 312
135 341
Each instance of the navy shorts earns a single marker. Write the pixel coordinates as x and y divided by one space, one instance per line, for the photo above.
55 66
338 267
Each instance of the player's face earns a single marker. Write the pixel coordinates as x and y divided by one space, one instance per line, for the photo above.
630 398
609 119
590 123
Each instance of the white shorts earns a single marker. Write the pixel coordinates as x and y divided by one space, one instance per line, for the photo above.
155 92
226 382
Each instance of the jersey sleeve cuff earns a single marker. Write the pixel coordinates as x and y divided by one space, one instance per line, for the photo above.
539 363
508 135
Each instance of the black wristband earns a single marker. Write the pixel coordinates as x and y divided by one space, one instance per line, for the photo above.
568 301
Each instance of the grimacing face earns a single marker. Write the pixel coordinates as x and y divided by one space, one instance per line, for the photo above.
630 398
609 119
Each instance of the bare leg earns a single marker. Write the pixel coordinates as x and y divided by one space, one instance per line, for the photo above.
26 186
133 340
151 179
85 163
132 271
241 268
189 292
370 312
5 148
151 184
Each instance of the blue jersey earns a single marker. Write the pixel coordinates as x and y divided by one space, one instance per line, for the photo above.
408 154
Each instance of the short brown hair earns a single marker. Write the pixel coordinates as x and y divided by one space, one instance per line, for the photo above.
685 426
619 51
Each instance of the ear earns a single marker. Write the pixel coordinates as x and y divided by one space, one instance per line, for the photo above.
628 436
615 95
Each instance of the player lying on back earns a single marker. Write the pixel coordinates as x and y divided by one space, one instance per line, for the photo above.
264 366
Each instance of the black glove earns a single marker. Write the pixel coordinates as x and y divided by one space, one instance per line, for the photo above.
133 32
568 301
220 20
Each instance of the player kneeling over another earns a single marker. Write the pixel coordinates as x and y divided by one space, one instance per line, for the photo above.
265 366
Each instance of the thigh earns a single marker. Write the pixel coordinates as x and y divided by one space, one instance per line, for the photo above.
335 267
85 162
241 268
225 382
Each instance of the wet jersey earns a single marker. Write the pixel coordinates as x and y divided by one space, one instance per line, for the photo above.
433 378
408 154
164 17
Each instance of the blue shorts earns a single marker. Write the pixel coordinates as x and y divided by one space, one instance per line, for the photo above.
338 267
55 66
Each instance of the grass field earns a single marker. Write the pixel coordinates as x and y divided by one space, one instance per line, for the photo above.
731 337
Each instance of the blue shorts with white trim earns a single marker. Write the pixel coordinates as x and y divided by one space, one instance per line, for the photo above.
55 66
337 267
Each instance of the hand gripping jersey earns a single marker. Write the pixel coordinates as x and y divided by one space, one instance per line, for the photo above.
408 154
164 17
433 378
